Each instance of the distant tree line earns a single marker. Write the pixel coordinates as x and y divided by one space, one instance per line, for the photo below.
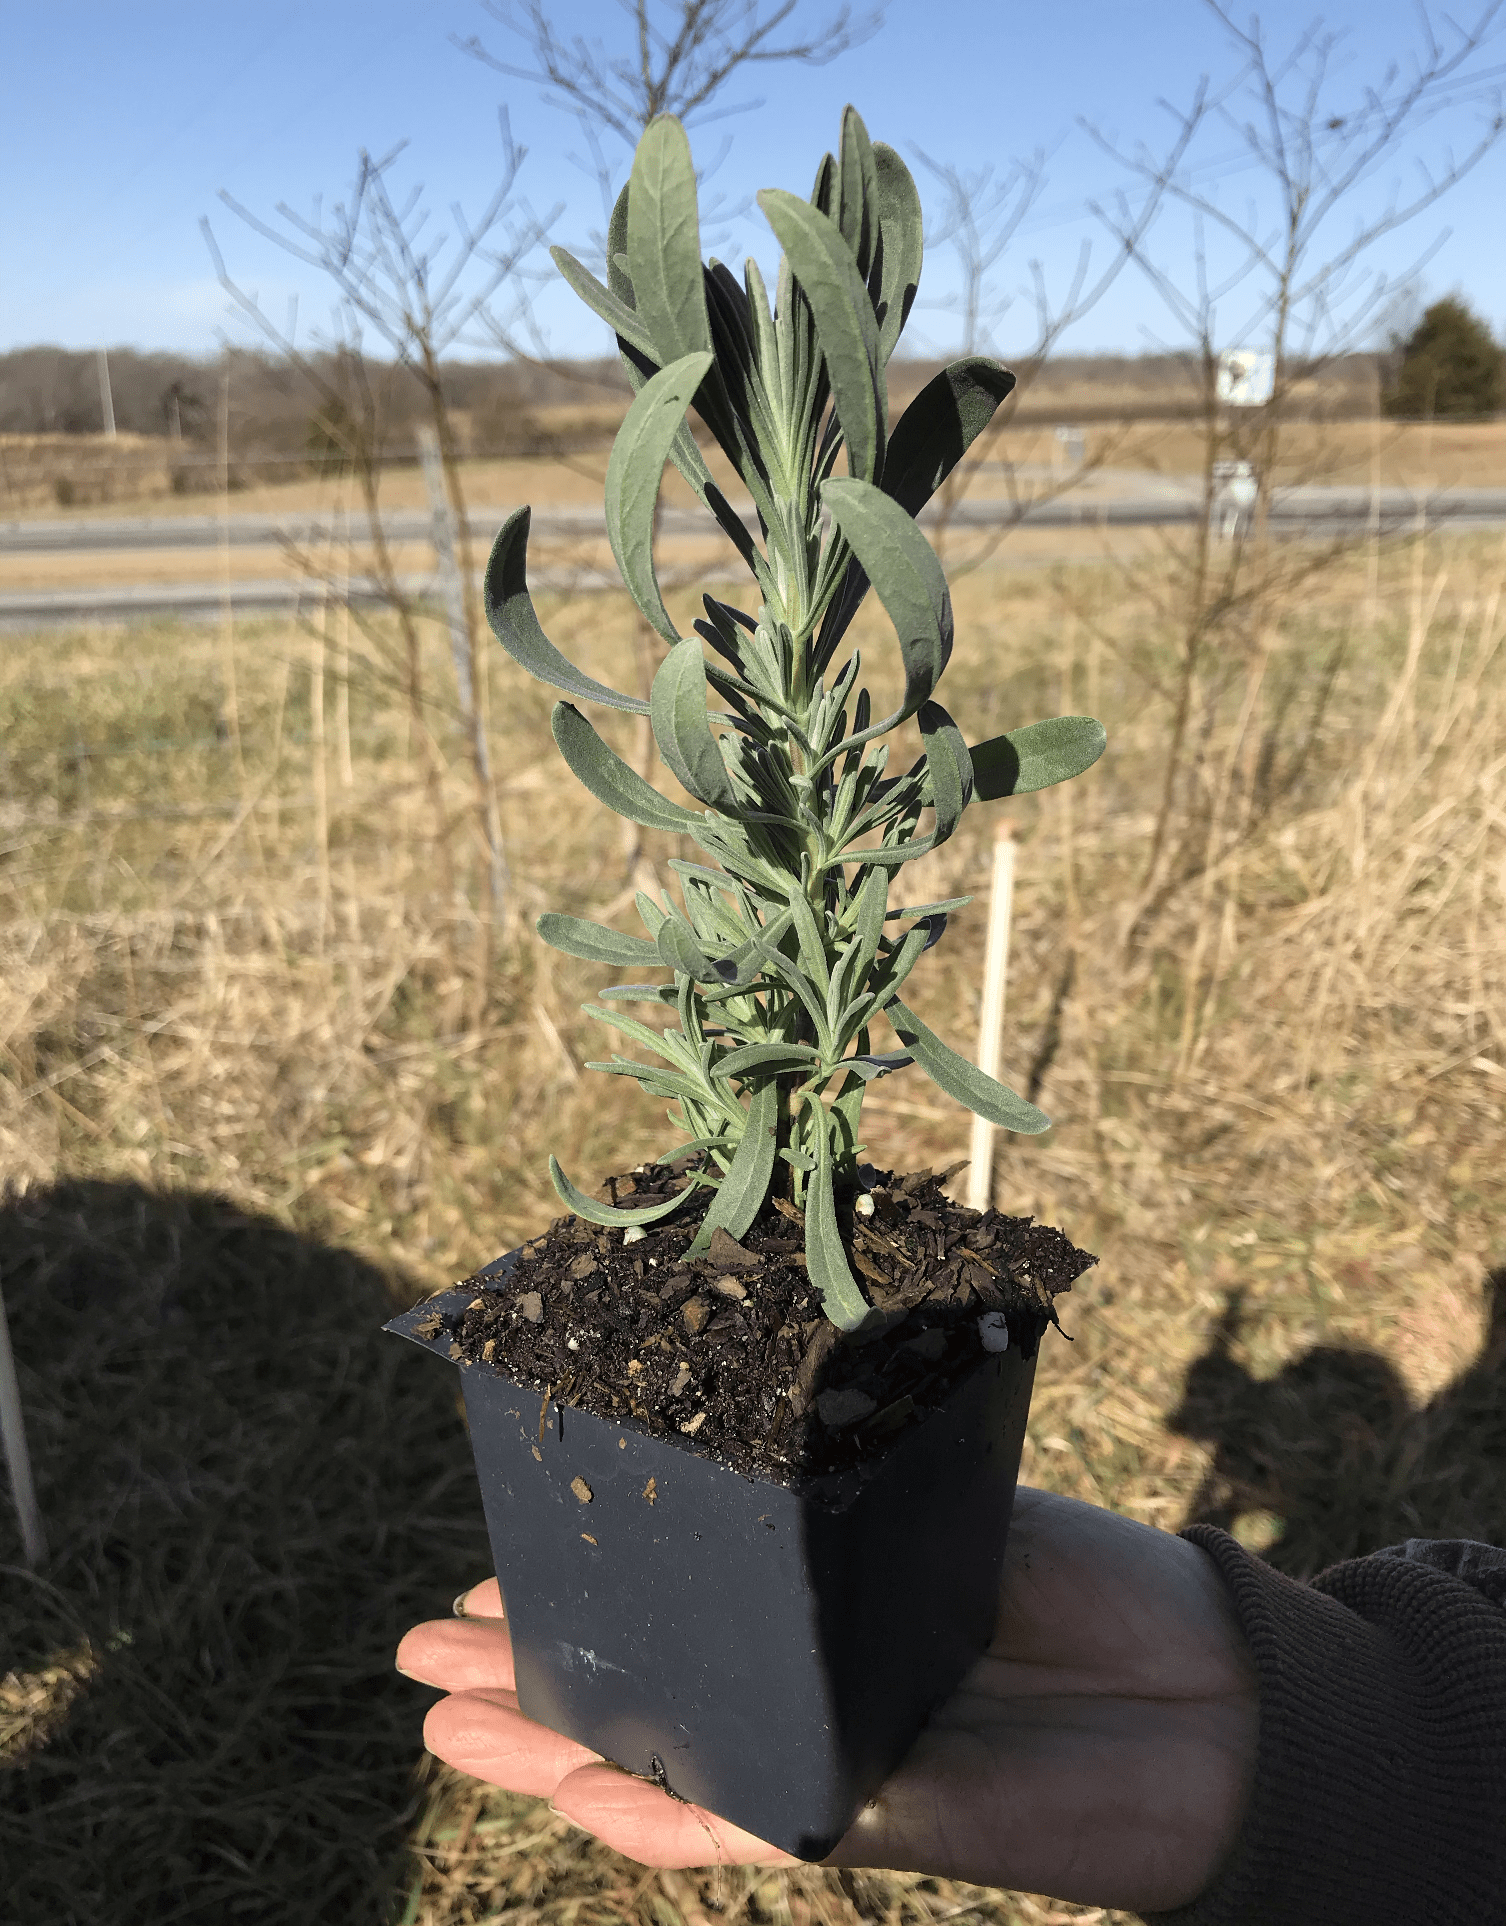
521 407
273 409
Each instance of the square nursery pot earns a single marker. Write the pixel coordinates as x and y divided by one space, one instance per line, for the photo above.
768 1651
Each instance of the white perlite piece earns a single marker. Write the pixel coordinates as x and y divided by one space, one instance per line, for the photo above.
864 1205
993 1328
634 1234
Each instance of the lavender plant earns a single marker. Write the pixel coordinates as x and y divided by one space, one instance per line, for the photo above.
784 951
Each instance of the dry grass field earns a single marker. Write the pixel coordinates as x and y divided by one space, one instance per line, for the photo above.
251 1091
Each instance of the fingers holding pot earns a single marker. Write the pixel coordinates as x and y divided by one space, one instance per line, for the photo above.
484 1734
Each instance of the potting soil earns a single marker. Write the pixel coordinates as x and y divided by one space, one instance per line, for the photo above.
730 1348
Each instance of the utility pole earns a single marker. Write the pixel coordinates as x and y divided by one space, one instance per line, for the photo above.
106 400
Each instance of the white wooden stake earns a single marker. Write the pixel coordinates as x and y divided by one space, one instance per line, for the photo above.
106 399
980 1176
13 1435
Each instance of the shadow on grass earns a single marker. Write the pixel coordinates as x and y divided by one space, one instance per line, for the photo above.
1335 1448
250 1494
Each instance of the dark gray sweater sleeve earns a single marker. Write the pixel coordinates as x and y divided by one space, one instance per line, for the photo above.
1380 1782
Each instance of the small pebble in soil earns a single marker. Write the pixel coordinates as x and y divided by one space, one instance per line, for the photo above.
839 1409
993 1329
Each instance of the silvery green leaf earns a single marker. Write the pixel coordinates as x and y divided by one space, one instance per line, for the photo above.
929 439
679 950
718 969
808 936
765 343
983 1095
639 365
846 327
677 704
837 990
775 1058
857 208
870 924
610 779
619 281
903 245
608 1214
709 920
948 765
664 243
510 611
748 958
847 1122
635 469
908 578
847 1110
618 316
794 978
893 855
594 942
649 910
826 1261
939 426
658 1082
928 909
640 992
669 297
1036 756
740 1195
865 1068
663 1043
900 961
871 913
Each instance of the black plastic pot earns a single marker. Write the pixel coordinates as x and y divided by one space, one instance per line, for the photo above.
770 1652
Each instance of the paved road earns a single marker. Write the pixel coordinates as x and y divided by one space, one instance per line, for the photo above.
1158 500
201 601
1151 501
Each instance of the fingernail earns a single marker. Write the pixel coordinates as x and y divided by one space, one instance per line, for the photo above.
458 1608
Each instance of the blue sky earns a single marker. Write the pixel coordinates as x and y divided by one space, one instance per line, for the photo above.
122 122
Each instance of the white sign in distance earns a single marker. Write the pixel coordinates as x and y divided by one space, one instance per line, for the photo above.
1246 377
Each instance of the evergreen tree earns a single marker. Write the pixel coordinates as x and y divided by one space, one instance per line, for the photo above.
1452 367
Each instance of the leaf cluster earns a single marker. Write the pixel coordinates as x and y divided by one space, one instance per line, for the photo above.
783 952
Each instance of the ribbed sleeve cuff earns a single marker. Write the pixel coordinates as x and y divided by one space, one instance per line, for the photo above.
1380 1784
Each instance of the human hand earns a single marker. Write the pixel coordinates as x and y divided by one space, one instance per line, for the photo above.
1102 1750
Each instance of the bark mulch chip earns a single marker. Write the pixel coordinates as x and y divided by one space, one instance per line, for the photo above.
730 1347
